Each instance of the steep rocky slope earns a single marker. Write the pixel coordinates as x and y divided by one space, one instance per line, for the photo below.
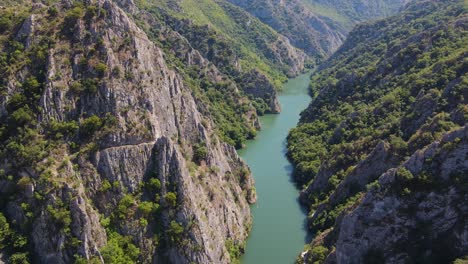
107 151
238 44
315 26
387 103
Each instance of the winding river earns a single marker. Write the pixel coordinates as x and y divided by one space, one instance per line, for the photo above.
278 232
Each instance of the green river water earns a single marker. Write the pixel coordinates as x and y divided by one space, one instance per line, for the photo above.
278 234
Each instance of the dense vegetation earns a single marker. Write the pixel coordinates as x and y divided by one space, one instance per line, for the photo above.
47 160
401 81
315 26
350 12
236 43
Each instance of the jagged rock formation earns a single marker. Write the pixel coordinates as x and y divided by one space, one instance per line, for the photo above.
386 103
107 152
315 26
318 36
435 231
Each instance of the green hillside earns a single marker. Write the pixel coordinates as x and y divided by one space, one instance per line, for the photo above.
401 82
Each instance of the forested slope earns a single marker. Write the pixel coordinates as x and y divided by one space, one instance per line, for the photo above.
118 123
386 128
315 26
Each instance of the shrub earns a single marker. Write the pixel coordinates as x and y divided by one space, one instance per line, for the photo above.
5 24
125 203
404 174
171 199
120 250
21 117
52 11
71 19
5 231
59 129
318 254
16 101
147 208
154 184
200 152
61 216
19 258
91 11
100 69
90 125
106 185
90 85
76 87
175 231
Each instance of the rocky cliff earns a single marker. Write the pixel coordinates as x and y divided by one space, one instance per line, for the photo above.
234 41
107 152
315 26
388 99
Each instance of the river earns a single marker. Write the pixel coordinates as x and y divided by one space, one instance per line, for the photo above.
278 233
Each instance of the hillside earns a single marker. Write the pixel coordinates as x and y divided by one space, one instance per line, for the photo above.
239 56
387 130
112 148
315 26
353 11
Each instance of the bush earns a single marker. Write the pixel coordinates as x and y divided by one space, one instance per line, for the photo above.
106 186
19 258
52 11
32 87
71 19
404 174
125 203
318 254
90 125
171 199
100 69
89 85
5 231
5 24
154 184
21 117
120 250
175 231
16 101
61 216
200 152
147 208
59 129
76 87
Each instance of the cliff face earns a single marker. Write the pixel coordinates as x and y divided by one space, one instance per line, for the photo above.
318 36
315 26
435 194
106 155
386 103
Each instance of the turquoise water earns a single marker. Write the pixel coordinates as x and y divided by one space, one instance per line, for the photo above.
278 234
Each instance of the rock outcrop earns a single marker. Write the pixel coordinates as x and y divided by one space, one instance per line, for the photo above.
435 229
139 122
